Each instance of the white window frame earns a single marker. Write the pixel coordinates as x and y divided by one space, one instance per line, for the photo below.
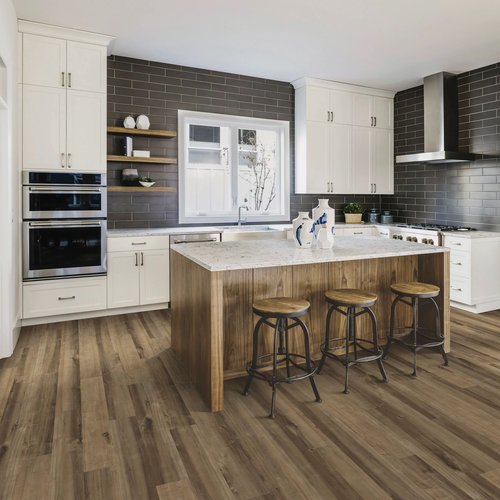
218 120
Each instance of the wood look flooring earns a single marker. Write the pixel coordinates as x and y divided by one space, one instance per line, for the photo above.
99 409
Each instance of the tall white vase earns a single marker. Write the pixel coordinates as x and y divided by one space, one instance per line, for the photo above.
303 230
324 216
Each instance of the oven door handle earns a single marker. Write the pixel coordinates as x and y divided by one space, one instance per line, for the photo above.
68 189
66 224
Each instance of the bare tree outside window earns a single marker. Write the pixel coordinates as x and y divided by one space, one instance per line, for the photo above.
258 159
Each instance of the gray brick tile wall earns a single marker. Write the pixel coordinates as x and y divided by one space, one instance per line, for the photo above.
159 90
462 194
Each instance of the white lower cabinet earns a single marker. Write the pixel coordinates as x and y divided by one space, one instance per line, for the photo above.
355 231
138 278
474 272
63 296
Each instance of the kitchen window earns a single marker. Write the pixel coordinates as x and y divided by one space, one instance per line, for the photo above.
230 161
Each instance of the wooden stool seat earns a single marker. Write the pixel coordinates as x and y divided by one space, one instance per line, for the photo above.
281 306
415 289
350 297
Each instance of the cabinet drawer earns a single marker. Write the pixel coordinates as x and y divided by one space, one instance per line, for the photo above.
460 290
457 243
354 231
65 296
460 263
123 244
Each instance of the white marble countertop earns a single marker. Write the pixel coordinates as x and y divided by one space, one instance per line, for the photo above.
252 254
472 235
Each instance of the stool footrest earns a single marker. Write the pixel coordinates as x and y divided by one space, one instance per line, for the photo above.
256 371
352 360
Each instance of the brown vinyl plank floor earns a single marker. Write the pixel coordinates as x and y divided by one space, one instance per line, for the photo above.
99 409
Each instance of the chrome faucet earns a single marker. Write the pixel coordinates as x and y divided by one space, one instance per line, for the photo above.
240 220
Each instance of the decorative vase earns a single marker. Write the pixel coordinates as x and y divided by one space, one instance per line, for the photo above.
142 122
324 238
303 230
353 218
129 122
323 216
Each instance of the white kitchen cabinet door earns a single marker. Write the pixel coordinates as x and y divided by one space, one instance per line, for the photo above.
44 128
317 104
362 110
86 132
361 160
154 276
123 279
318 159
382 161
86 65
44 61
340 158
382 110
341 107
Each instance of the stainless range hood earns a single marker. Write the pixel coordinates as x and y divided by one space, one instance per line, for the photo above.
440 123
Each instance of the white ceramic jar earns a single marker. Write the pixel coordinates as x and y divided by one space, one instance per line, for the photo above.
303 230
324 216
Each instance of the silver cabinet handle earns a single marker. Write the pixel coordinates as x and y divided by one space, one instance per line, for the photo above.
136 259
457 244
69 160
208 240
331 116
375 188
374 119
142 258
457 263
69 80
62 160
456 289
138 243
371 121
67 298
62 78
358 232
327 187
328 116
371 188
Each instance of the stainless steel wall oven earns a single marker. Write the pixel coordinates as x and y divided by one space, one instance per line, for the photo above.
64 224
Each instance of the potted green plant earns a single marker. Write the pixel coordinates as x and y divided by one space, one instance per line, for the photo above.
146 181
353 212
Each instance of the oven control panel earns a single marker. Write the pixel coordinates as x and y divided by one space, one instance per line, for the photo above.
415 238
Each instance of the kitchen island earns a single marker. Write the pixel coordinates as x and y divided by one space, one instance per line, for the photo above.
214 284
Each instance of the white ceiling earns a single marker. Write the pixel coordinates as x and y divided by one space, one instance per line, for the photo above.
388 44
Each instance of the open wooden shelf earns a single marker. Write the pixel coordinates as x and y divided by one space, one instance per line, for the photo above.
140 189
136 159
166 134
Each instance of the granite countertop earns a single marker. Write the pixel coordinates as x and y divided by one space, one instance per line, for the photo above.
250 254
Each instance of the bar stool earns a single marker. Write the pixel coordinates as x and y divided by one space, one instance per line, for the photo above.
280 309
419 294
350 299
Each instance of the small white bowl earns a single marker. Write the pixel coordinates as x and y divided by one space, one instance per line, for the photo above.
147 184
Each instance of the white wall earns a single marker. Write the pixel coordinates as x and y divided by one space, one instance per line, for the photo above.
9 185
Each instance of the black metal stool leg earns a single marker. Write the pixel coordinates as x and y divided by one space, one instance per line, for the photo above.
275 363
375 342
255 345
287 349
391 327
438 331
415 328
307 351
326 345
347 338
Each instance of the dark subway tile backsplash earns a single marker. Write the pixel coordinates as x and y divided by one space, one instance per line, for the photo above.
457 193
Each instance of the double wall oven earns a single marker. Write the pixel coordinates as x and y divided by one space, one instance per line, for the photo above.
64 224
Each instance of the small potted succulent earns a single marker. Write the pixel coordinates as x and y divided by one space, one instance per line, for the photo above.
353 213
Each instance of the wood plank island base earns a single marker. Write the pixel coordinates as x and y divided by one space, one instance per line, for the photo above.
214 285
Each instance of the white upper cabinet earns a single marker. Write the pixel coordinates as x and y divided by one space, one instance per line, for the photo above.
330 106
86 67
63 98
44 61
343 138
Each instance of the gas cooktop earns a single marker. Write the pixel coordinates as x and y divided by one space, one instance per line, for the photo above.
436 227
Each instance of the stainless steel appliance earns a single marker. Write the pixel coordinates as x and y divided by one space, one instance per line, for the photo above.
64 224
386 217
49 195
180 239
428 234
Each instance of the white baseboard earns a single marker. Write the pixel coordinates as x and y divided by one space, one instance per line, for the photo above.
93 314
478 308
